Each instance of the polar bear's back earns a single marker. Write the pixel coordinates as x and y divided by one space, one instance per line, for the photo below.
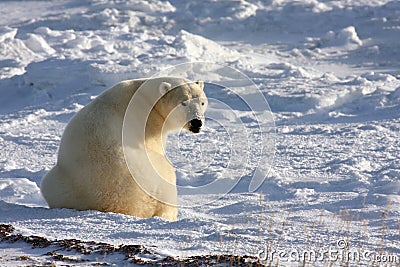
90 157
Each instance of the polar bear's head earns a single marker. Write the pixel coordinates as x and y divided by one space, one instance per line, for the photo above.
182 106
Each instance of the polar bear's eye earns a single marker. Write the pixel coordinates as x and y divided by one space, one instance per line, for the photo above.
202 103
184 104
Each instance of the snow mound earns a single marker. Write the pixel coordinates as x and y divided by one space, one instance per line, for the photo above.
38 44
14 53
346 37
62 76
21 191
7 33
195 47
49 81
361 95
287 70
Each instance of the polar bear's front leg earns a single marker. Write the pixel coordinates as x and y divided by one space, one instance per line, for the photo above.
167 212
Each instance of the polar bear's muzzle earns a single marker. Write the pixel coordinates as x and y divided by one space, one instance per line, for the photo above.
195 125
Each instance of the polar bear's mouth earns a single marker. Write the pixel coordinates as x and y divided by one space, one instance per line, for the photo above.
195 125
194 130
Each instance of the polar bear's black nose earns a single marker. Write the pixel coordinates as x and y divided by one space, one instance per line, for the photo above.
195 125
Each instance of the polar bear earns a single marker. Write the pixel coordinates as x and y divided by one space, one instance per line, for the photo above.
112 153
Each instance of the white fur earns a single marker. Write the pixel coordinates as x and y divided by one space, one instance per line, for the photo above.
99 169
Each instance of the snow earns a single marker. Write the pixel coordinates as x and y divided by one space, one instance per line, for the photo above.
328 69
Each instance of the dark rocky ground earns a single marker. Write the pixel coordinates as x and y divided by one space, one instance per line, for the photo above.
73 252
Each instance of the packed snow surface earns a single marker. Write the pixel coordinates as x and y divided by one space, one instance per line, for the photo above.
330 71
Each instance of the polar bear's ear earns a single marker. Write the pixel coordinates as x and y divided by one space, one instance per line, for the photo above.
164 87
200 84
